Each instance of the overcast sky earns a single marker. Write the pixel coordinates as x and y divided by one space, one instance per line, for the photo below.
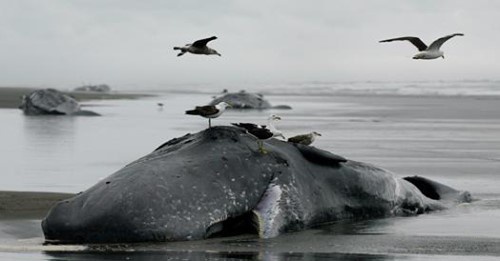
64 43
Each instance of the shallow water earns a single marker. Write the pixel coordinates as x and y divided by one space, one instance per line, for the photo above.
458 148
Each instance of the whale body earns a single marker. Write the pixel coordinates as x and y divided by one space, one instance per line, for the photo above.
245 100
52 102
217 183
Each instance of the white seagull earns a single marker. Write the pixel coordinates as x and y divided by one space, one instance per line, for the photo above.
270 122
198 47
209 111
427 53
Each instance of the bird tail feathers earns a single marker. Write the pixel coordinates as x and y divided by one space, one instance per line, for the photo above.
192 112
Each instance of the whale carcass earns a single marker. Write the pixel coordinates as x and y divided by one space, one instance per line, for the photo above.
246 100
51 102
216 183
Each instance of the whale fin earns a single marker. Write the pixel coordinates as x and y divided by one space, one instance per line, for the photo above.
268 213
437 191
320 157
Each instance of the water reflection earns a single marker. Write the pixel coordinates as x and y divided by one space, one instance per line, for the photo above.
50 133
216 256
358 227
48 149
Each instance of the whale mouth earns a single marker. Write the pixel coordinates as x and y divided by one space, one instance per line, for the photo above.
234 226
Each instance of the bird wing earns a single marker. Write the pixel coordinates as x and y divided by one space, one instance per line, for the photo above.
203 110
247 126
421 46
437 44
207 110
203 42
298 138
259 131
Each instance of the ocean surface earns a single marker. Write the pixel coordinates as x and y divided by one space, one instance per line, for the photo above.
457 88
452 139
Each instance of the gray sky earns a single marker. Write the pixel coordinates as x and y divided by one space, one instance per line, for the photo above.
65 43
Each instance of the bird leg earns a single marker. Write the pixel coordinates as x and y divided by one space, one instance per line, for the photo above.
261 147
209 123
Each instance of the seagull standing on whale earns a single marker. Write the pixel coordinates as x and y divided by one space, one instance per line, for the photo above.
209 111
262 132
426 53
304 139
198 47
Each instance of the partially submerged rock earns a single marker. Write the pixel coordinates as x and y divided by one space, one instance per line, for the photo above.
216 183
245 100
51 102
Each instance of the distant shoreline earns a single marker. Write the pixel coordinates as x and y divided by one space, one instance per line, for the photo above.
10 97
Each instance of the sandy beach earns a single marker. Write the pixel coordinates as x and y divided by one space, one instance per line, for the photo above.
452 139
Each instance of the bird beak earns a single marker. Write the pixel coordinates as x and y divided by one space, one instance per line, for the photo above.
319 134
442 56
218 54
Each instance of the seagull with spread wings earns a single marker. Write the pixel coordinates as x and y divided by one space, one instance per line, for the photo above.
198 47
426 52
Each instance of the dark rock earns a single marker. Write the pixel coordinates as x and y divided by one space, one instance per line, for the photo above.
216 183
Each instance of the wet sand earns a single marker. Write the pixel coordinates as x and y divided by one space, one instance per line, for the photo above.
454 140
28 205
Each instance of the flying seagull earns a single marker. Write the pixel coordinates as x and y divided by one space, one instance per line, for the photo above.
198 47
305 139
209 111
428 53
262 132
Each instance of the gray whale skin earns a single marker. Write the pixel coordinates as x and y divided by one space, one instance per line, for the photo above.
246 100
217 183
52 102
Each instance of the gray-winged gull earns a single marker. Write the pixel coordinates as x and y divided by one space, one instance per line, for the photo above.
198 47
427 53
304 139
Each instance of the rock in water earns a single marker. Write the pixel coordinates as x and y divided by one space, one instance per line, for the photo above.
216 183
51 102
